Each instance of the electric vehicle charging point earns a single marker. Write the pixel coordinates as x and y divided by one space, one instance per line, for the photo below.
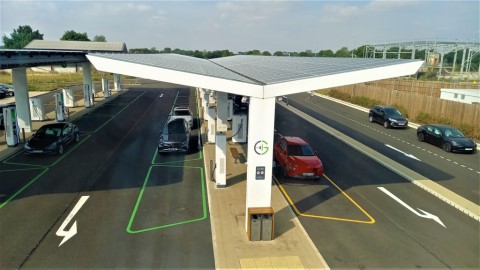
68 97
12 132
239 128
260 224
106 88
117 82
59 107
87 96
229 109
37 109
211 115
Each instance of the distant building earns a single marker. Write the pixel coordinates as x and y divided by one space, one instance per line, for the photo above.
469 96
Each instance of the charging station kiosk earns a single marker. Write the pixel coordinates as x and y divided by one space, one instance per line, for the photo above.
117 82
87 96
37 109
239 128
68 98
212 111
229 109
12 131
59 107
106 88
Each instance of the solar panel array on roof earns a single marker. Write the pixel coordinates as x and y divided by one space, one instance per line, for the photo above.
277 69
179 63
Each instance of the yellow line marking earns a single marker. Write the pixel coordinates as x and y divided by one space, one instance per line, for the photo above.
370 221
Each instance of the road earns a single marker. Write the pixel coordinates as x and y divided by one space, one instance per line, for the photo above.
363 215
110 201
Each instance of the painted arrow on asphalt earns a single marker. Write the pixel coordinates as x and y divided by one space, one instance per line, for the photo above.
408 155
73 230
423 214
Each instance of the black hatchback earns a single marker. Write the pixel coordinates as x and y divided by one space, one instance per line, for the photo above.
388 116
52 139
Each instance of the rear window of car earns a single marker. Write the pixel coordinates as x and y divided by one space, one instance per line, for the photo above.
181 112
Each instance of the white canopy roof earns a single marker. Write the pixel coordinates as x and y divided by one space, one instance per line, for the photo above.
254 76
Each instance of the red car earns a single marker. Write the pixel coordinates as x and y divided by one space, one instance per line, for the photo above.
297 158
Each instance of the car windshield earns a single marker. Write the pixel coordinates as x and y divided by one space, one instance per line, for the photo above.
181 112
453 133
300 150
175 127
48 132
393 112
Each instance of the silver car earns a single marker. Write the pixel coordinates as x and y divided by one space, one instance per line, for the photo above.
175 136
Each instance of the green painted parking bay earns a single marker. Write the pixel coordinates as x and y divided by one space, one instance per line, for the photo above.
170 196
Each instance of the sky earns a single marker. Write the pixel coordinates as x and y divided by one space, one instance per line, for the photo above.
248 25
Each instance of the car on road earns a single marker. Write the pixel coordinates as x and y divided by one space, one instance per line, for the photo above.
388 116
7 89
182 112
297 158
52 139
3 93
175 136
448 138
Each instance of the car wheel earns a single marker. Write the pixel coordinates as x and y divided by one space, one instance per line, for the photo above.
370 118
421 137
77 138
447 147
386 124
60 149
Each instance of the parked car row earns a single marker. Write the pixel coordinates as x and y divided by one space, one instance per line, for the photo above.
175 135
448 138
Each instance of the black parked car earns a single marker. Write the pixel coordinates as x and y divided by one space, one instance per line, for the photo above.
446 137
387 116
175 136
52 139
7 89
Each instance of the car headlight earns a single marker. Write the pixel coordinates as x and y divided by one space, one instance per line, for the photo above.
26 146
392 120
455 143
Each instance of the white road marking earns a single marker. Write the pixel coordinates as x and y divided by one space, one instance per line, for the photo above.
73 230
408 155
423 214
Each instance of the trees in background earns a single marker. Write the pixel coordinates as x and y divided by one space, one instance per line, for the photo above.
99 38
24 35
21 37
72 35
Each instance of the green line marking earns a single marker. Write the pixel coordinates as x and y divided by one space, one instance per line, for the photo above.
25 187
142 190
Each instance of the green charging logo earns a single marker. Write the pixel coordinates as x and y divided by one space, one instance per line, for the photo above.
261 147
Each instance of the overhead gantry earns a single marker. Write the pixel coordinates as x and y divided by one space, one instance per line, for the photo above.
262 78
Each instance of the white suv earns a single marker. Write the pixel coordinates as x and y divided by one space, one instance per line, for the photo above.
182 112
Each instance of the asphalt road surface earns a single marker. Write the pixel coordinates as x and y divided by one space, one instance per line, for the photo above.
109 201
361 214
